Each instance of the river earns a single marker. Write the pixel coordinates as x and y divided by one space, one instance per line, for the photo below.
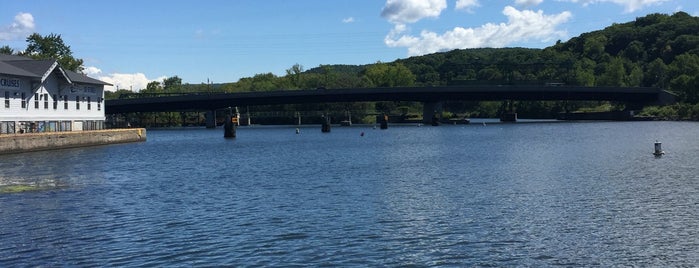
522 194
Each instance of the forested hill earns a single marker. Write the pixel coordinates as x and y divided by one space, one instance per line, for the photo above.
656 50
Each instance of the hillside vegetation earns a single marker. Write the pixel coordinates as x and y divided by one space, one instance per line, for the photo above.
656 50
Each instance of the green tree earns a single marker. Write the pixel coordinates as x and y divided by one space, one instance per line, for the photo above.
635 51
172 84
687 87
635 77
116 94
7 50
52 47
388 75
293 74
583 72
594 47
259 82
656 74
685 80
614 74
153 87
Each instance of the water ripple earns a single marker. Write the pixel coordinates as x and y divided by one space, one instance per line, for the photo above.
504 195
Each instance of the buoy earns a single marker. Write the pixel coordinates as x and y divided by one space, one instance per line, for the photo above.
658 149
361 134
298 131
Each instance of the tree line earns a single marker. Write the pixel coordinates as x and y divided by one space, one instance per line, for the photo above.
657 50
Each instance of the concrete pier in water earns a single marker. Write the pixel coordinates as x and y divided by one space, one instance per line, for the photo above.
29 142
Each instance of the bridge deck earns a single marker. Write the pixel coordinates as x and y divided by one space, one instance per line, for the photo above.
203 102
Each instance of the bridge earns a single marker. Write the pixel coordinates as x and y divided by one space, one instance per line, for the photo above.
431 96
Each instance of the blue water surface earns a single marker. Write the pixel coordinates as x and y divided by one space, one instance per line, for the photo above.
523 194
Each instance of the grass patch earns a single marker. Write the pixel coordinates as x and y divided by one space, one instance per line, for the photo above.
20 188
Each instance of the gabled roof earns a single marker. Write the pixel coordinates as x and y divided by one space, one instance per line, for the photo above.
27 67
5 57
81 78
36 67
10 69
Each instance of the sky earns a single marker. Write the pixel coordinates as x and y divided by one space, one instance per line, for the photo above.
129 43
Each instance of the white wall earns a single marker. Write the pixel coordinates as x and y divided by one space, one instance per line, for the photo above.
54 86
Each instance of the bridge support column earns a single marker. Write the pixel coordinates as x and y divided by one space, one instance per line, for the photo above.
325 127
211 119
507 112
229 127
432 113
383 121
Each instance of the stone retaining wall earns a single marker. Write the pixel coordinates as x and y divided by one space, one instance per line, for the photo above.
28 142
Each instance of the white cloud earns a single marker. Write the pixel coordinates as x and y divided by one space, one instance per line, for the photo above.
629 5
348 20
528 3
134 82
22 27
410 11
521 26
92 71
467 5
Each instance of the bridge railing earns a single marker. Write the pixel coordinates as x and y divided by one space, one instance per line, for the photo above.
160 94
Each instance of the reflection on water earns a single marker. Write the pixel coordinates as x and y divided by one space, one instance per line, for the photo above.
533 194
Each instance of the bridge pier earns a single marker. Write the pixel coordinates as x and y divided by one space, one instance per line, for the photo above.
432 112
211 119
297 115
325 127
507 112
229 126
383 121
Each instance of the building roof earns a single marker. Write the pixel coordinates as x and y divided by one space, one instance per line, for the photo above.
28 67
81 78
6 68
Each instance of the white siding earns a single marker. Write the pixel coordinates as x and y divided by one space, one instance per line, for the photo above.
51 105
15 98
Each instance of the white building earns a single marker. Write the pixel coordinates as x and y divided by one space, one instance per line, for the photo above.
40 96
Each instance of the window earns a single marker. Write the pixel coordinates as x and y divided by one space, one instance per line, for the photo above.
65 102
89 105
36 100
46 100
77 102
7 99
24 100
55 101
99 104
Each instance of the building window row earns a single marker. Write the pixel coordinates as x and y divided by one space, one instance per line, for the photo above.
12 127
45 97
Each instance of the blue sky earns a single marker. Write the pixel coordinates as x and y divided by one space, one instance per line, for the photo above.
129 43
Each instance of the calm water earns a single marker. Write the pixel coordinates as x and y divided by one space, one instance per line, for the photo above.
525 194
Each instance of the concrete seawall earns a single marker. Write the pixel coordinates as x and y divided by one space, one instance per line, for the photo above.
28 142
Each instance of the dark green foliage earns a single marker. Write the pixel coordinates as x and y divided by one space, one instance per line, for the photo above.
52 47
657 50
7 50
